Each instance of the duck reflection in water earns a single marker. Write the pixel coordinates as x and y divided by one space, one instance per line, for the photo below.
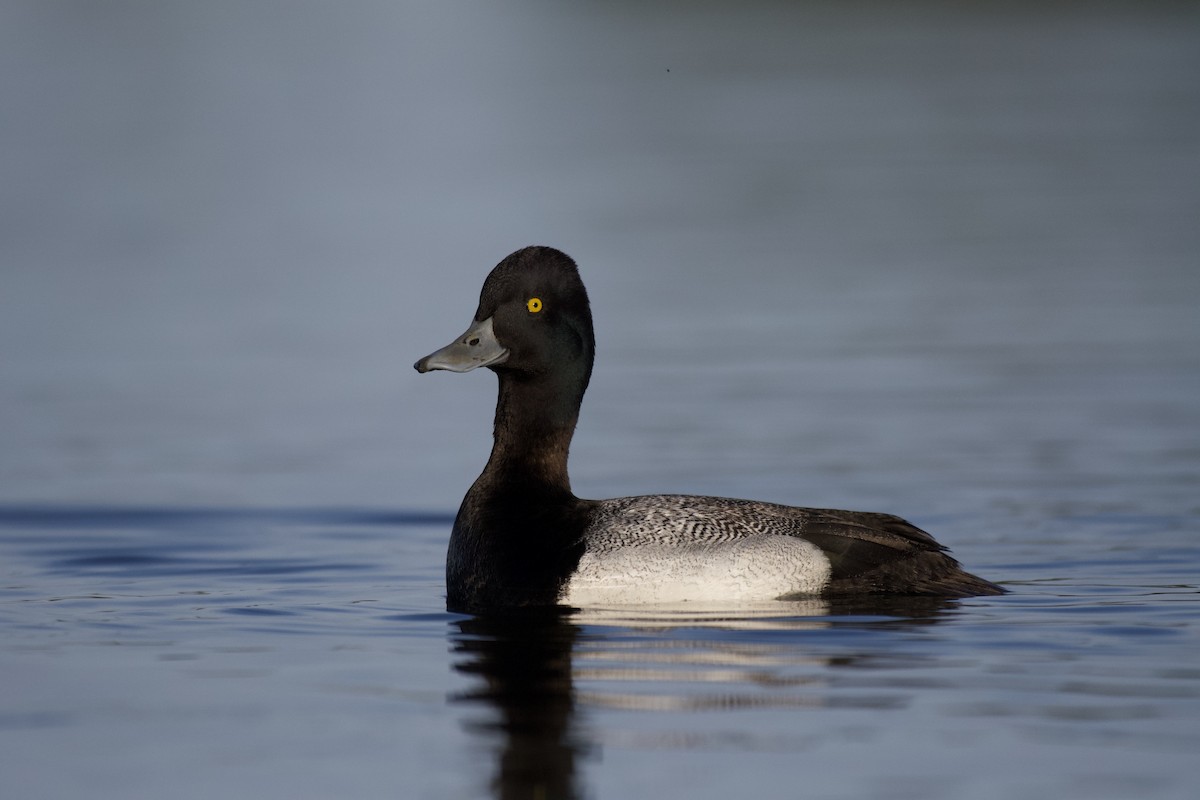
524 666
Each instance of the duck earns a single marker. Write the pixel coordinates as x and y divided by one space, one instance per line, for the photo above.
521 538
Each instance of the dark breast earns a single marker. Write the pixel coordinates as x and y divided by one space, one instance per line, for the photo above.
513 548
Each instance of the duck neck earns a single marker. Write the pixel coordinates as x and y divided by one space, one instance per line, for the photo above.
535 420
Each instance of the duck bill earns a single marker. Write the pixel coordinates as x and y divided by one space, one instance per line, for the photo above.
478 347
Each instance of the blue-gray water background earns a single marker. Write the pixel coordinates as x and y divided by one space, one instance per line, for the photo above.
936 259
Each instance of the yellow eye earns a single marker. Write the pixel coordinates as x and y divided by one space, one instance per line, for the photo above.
534 305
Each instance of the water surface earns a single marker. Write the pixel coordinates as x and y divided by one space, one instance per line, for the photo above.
281 654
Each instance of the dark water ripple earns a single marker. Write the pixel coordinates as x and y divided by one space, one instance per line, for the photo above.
1087 659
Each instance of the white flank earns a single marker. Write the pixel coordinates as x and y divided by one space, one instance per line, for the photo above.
763 567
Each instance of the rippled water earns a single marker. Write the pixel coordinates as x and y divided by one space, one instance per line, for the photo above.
911 258
283 654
